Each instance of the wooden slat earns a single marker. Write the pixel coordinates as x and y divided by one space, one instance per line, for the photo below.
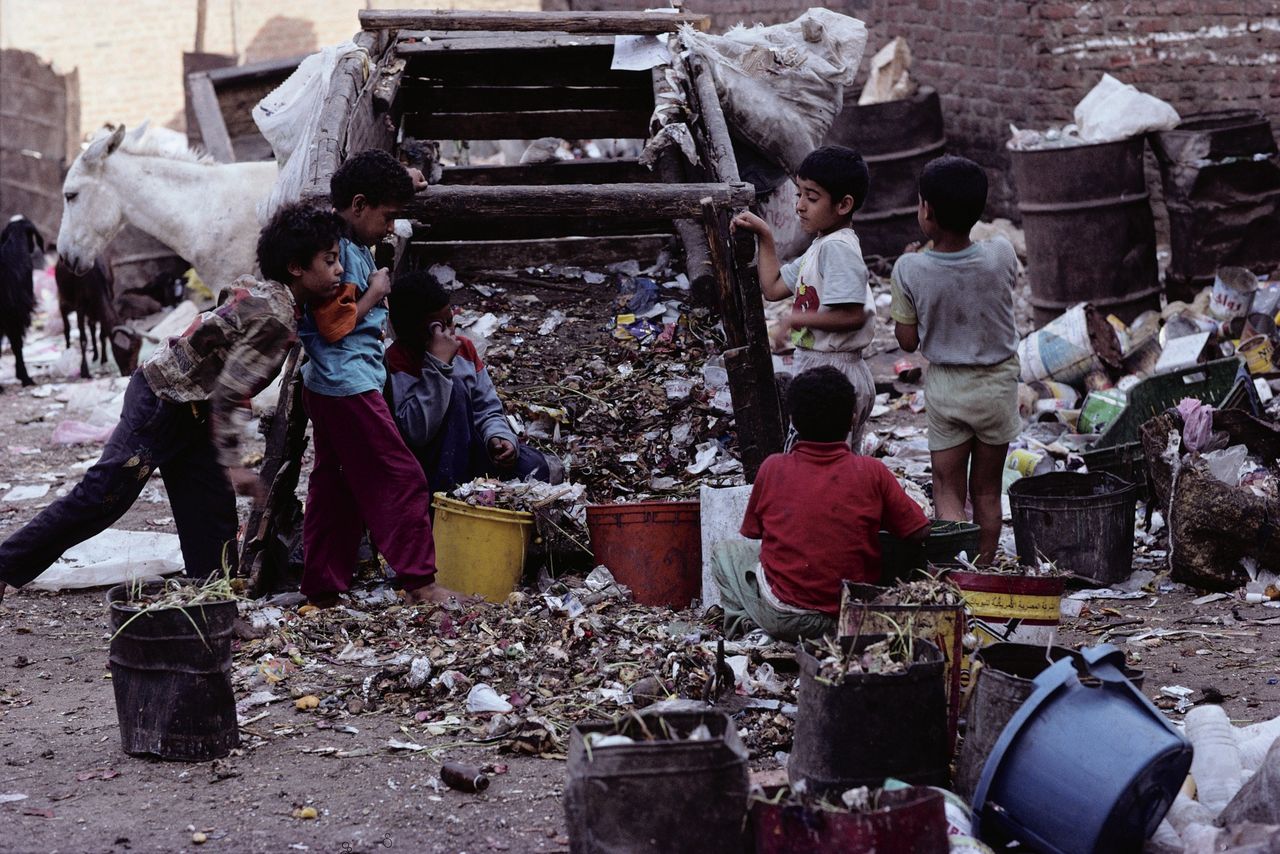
569 66
208 113
621 201
609 23
567 124
536 228
622 171
417 95
435 40
501 254
253 72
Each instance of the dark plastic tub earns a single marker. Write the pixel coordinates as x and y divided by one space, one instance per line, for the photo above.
872 726
171 672
1081 522
670 795
1086 764
908 821
1005 674
901 558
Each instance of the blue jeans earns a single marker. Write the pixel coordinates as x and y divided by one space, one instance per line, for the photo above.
152 433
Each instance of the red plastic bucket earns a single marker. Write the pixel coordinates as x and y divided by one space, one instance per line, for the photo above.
909 821
653 547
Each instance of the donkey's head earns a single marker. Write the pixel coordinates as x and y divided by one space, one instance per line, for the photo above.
92 212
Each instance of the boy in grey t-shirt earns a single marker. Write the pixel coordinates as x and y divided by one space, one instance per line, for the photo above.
954 303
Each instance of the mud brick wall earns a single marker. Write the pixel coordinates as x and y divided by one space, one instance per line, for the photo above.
997 62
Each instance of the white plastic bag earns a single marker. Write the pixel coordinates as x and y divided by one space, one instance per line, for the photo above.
783 86
289 116
1113 111
890 76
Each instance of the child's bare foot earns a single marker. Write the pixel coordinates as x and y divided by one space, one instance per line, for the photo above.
323 600
429 594
2 589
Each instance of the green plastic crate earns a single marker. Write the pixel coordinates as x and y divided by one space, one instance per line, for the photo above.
1222 383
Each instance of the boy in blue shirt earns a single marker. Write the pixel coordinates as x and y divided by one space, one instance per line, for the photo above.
363 475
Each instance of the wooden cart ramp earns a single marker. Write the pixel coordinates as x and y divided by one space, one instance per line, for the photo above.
520 76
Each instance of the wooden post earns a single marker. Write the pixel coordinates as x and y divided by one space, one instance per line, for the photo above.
757 410
278 512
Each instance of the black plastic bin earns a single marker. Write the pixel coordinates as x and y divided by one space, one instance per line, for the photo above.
1081 522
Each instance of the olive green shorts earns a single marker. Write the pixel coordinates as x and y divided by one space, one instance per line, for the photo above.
967 401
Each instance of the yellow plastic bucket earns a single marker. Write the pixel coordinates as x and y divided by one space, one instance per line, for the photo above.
479 550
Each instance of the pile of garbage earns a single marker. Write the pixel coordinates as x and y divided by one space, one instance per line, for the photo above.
516 674
1112 111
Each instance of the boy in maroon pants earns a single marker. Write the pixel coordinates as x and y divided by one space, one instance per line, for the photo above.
363 476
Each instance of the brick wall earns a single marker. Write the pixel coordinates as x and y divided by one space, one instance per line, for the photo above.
130 53
997 62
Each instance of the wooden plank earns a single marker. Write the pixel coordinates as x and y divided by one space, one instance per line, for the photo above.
208 113
342 124
470 255
609 23
429 41
418 95
620 201
567 124
541 227
590 171
757 409
253 72
719 148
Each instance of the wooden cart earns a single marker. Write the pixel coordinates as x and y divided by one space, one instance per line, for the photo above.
494 76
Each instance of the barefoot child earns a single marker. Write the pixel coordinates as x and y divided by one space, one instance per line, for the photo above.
954 303
833 318
179 410
818 512
363 475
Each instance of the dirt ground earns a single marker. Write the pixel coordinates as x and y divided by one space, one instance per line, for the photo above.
60 743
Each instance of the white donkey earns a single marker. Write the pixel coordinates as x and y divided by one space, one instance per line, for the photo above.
203 211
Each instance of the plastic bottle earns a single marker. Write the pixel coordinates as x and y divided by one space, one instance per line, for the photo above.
1216 763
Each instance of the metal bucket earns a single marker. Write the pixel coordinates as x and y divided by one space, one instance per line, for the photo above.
1090 233
897 139
1221 177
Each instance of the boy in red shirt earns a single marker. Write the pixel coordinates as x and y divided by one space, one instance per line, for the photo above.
817 512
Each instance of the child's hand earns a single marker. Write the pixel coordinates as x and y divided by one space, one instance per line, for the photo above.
379 285
782 332
502 452
443 342
245 482
750 222
419 180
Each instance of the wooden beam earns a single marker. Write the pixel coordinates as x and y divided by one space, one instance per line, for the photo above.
568 124
619 201
426 96
470 255
605 23
388 85
430 41
255 72
208 113
539 227
589 171
719 148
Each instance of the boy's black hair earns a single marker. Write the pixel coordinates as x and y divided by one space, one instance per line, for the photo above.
414 296
376 175
956 188
821 403
840 171
295 235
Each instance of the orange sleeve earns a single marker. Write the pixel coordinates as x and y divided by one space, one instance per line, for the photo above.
336 318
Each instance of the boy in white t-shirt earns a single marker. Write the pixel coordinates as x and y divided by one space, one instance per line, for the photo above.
831 322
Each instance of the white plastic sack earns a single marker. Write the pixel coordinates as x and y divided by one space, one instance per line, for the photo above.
783 86
112 557
722 511
1113 111
890 76
290 115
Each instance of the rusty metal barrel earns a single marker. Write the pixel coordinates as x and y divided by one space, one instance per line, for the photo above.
1221 177
1090 233
896 138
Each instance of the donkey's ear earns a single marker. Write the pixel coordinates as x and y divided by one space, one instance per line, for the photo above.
103 145
140 131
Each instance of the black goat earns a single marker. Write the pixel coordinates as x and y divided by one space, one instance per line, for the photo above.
90 296
18 242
